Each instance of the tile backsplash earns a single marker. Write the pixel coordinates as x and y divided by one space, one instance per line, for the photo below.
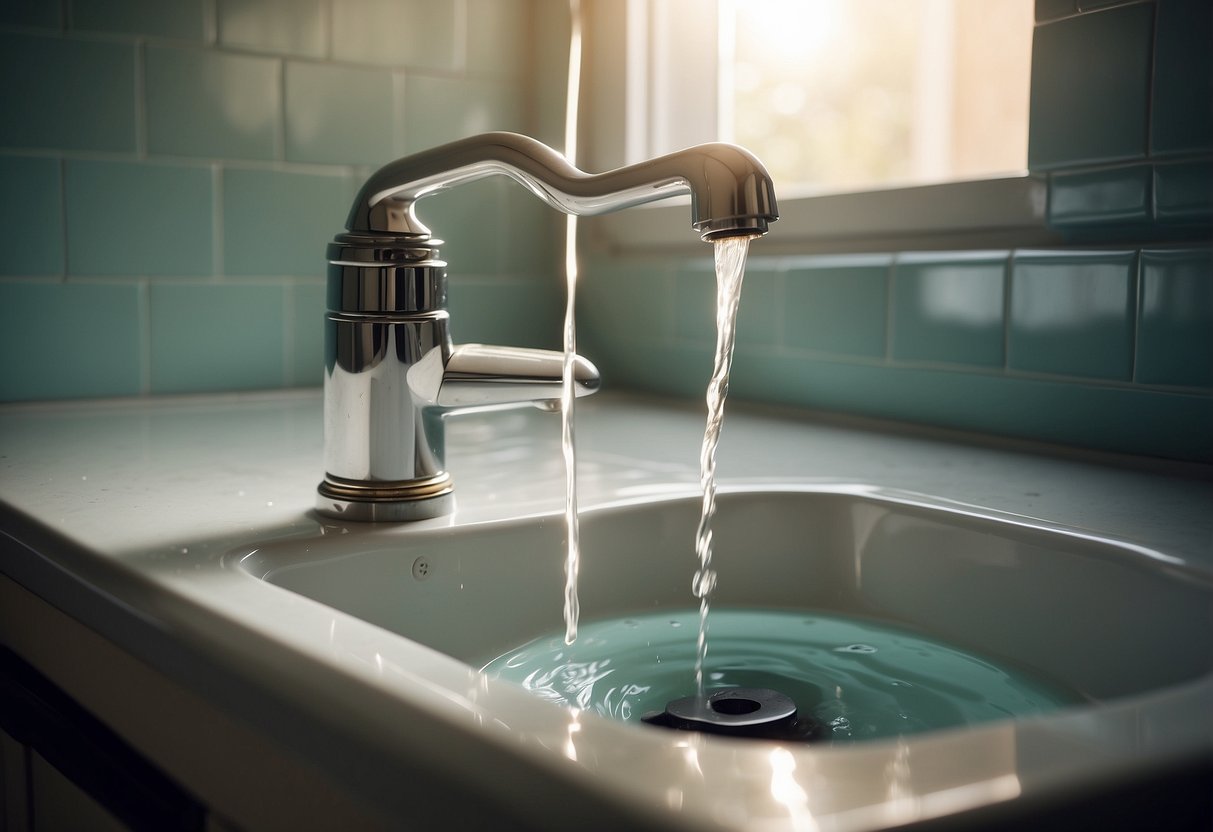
1105 341
170 174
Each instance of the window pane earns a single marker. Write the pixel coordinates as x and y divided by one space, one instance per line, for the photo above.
848 94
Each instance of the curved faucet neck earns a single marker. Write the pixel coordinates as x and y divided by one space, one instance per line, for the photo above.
731 192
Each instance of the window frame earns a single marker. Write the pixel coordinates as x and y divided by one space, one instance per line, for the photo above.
998 212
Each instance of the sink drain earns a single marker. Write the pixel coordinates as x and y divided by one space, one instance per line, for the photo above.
758 713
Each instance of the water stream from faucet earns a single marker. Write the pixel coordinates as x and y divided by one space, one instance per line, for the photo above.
730 268
568 396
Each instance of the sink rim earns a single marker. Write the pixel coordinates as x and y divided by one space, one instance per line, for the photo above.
540 731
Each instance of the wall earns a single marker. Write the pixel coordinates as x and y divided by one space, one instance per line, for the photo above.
170 173
1103 342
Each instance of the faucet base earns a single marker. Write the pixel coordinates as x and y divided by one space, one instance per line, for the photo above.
386 502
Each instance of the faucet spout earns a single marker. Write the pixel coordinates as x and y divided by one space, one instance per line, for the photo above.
731 192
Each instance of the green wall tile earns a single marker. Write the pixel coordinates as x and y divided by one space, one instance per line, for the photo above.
455 108
1100 197
758 317
1116 418
620 301
837 305
338 114
695 301
507 310
1175 332
31 216
1090 84
64 93
414 33
494 225
1072 313
131 218
88 333
215 336
306 361
1181 118
184 19
499 34
1183 192
949 308
290 27
45 13
207 103
279 223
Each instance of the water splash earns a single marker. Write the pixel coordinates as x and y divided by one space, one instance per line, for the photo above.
730 268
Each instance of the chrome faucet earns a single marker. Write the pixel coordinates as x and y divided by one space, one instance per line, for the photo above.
391 370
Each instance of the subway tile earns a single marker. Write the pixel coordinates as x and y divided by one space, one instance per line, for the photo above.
337 114
414 33
31 216
695 296
949 308
65 93
1175 331
1181 117
132 218
279 223
455 108
499 37
32 13
208 103
1090 85
1047 10
1100 197
1072 313
511 310
473 224
621 300
758 312
306 361
215 336
1183 192
1119 418
88 333
837 305
288 27
184 19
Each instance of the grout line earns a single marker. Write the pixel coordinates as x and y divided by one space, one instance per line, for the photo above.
280 116
140 99
145 336
217 240
287 374
210 23
1137 287
890 288
328 30
1007 277
66 266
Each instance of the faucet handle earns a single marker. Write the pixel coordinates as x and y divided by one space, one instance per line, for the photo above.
477 375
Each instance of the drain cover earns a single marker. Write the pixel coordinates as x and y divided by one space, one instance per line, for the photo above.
740 712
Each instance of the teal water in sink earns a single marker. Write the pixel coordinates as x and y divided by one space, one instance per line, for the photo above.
860 679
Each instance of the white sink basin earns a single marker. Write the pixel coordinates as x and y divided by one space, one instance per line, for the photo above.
1129 628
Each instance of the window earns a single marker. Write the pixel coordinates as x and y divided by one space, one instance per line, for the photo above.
886 124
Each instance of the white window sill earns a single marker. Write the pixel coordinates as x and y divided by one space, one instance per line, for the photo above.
992 213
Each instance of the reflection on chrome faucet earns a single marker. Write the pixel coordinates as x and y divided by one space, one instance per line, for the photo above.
391 369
